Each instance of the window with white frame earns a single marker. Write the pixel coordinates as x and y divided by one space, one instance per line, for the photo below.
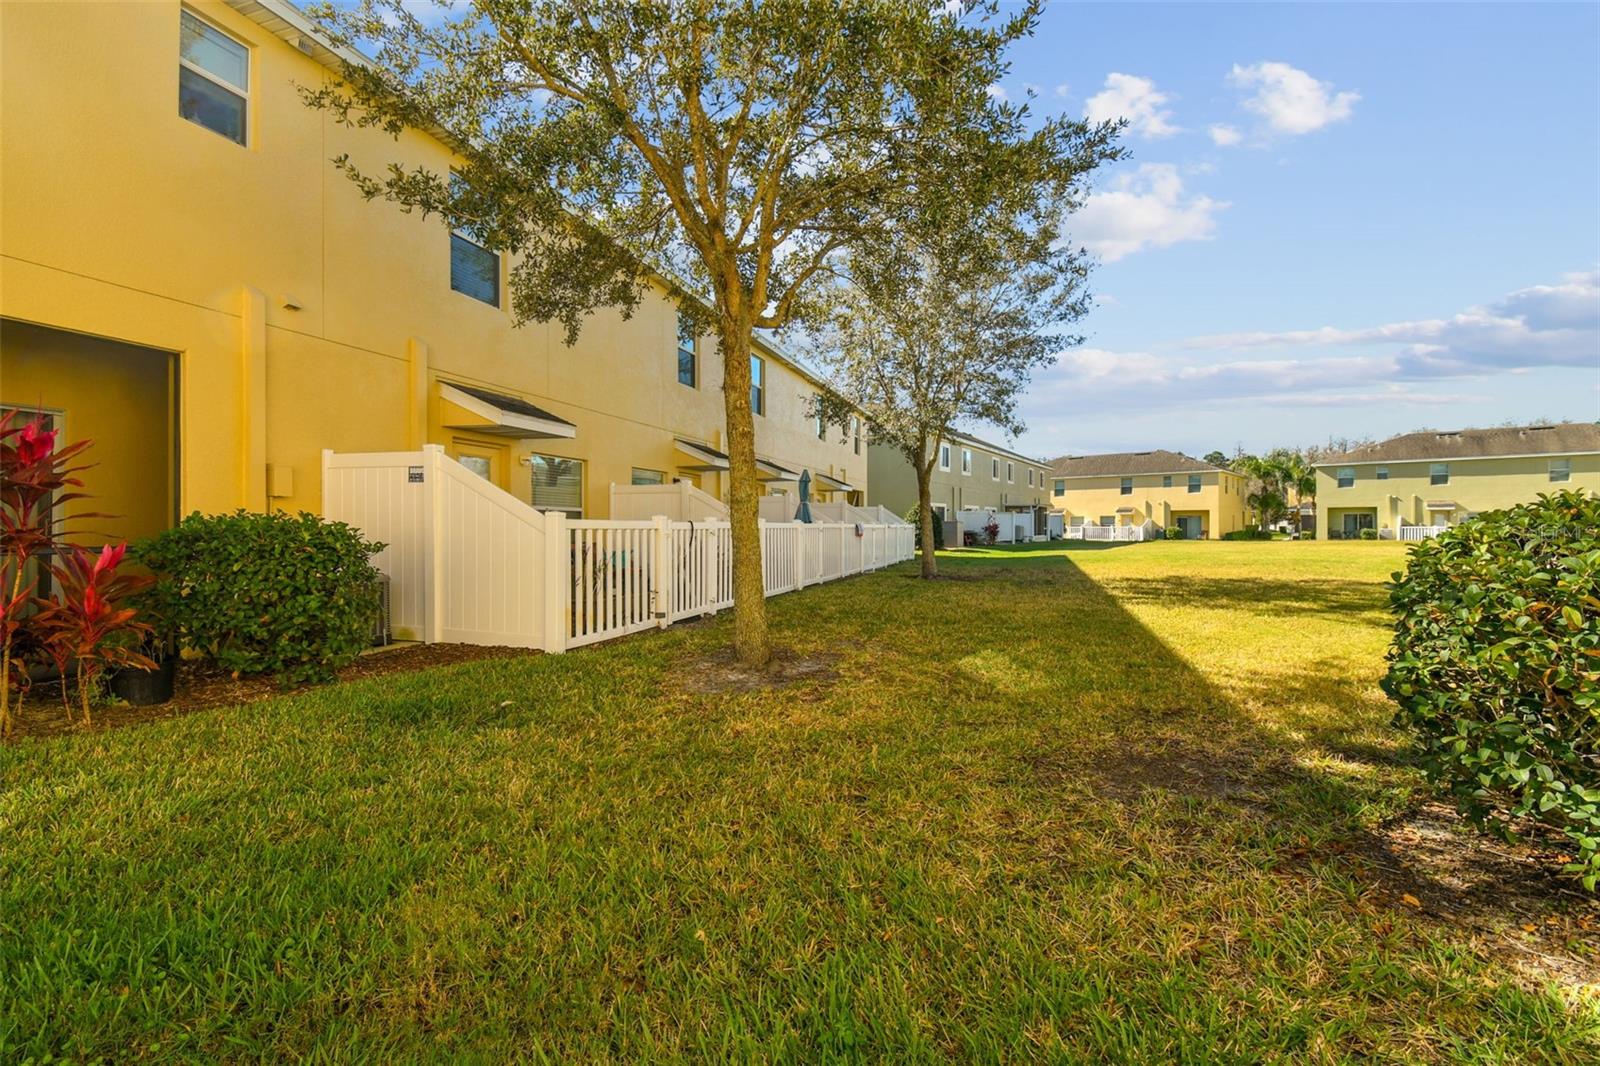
1439 473
758 385
822 427
474 269
1194 482
1126 486
1561 470
1382 473
1346 476
994 469
557 484
1059 488
855 433
1010 474
1166 481
944 457
966 460
649 477
213 78
688 354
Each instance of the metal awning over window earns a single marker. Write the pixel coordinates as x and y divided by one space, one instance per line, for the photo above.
481 411
1125 510
830 483
1443 505
707 458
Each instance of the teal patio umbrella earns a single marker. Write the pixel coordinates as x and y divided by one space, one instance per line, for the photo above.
803 512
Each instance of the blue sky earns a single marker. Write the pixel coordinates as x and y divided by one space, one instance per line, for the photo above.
1340 220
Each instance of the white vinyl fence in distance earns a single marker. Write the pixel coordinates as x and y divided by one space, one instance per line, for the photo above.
469 563
1144 531
1420 532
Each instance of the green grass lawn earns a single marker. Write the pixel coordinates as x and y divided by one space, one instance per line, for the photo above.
1079 804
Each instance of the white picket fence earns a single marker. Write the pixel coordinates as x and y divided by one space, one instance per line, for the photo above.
1420 532
1144 531
471 564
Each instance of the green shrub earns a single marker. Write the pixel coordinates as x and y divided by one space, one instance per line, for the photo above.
292 595
1174 532
1248 534
1369 534
1495 666
914 516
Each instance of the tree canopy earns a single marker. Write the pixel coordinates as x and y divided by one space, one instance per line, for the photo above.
730 147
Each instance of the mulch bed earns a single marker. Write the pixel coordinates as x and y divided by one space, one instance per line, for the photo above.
200 686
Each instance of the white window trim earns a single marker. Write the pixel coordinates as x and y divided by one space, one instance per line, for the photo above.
226 86
1565 470
966 462
944 457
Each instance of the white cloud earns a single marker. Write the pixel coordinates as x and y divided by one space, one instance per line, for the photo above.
1147 208
1542 325
1224 136
1135 99
1290 100
1063 90
1402 363
996 92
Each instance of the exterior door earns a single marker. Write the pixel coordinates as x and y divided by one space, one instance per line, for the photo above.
1190 524
486 460
1355 522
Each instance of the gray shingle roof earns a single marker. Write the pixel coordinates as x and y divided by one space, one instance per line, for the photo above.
1127 463
514 404
1474 443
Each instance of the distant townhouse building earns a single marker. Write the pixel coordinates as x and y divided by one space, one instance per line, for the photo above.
968 474
1168 488
1432 479
186 279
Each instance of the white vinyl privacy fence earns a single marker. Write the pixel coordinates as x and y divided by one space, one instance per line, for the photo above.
1143 531
469 563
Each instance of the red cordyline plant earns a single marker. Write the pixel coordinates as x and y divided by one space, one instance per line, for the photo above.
81 623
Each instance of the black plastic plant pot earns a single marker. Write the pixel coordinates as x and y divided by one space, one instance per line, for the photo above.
145 688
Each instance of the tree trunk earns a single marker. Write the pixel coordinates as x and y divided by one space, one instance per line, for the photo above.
930 564
750 641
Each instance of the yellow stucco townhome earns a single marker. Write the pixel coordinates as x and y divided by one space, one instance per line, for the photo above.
969 474
1413 485
1168 488
186 279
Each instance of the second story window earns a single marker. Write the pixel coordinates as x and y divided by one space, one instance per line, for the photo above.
1127 486
213 78
1010 473
1059 488
1347 476
994 469
688 364
1166 481
1383 473
1439 473
474 269
758 385
822 427
1194 482
944 457
1561 470
1030 477
855 432
966 460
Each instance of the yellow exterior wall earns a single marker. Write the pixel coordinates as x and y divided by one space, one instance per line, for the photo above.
1220 503
1475 484
142 227
894 482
